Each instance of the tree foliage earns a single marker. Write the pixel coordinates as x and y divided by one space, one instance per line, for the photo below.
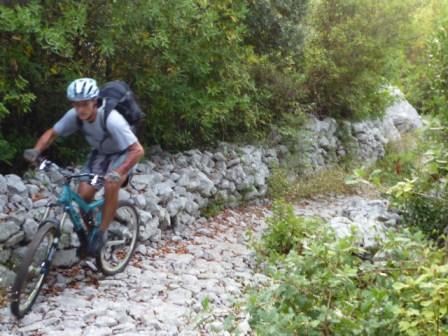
422 197
203 70
276 28
185 60
276 31
350 53
428 81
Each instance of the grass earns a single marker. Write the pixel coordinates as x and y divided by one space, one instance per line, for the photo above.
213 208
330 180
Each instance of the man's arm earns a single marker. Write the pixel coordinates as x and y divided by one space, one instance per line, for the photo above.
45 140
134 153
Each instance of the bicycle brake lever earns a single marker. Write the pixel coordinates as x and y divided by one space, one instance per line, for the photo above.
44 165
94 180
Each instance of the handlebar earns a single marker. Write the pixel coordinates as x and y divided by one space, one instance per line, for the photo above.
47 165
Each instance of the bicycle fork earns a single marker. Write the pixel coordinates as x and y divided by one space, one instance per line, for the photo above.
45 266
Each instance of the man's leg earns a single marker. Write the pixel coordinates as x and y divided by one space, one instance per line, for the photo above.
87 193
111 190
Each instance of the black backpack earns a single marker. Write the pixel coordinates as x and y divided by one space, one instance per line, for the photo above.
120 97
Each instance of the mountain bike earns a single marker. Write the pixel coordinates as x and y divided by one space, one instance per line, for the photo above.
122 237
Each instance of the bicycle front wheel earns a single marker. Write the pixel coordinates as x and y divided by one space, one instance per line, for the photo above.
122 237
34 268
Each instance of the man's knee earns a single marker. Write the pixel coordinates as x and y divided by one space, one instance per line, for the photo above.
86 191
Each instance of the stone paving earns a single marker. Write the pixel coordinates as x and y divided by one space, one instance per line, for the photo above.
183 285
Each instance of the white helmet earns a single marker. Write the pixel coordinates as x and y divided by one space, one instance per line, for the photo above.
82 89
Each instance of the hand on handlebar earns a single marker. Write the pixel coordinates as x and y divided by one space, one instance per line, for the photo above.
31 155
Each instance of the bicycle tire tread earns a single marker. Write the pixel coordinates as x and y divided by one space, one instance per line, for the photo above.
22 270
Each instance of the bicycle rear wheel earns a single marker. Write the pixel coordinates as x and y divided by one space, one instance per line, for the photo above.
122 237
34 268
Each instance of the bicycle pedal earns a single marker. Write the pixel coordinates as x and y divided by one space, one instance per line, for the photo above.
91 265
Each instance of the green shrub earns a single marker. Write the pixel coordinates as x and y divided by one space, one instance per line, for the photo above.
351 52
185 60
436 95
280 94
413 175
321 287
192 68
212 209
276 29
422 196
278 184
425 79
285 231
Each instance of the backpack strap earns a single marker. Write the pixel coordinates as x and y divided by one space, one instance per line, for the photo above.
106 111
105 115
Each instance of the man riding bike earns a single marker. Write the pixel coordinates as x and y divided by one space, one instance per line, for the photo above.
115 149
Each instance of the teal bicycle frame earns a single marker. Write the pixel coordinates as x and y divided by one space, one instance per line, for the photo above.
66 199
68 196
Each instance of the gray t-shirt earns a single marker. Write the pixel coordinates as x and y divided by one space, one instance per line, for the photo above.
120 135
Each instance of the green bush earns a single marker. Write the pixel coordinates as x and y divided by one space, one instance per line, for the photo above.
276 29
186 61
278 184
280 95
204 71
422 195
413 174
321 287
435 99
351 53
424 80
285 231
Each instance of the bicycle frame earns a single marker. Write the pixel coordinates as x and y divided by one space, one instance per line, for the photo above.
113 257
66 199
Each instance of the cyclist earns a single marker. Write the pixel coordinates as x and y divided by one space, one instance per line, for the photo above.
114 152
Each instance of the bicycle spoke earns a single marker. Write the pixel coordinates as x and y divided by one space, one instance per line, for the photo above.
122 237
33 270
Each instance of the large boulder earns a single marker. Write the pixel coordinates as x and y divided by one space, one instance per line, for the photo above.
8 229
403 115
15 185
6 277
196 181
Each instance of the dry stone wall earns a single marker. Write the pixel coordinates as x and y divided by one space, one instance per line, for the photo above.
170 190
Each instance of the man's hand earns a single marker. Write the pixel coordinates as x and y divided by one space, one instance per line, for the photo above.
31 155
113 177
